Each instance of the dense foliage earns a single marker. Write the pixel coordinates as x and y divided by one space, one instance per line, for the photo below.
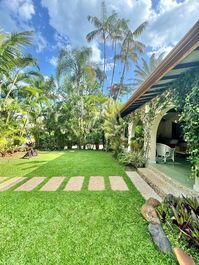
135 159
114 127
183 213
185 96
22 90
74 106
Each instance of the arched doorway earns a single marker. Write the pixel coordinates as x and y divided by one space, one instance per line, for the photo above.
166 131
153 133
170 132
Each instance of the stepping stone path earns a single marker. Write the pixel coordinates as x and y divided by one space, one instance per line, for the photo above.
74 184
96 184
53 184
10 183
31 184
118 183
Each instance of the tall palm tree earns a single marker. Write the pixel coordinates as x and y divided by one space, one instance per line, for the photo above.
73 65
18 74
116 35
130 49
102 26
144 69
10 48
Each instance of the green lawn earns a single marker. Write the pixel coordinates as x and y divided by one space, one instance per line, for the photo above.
98 228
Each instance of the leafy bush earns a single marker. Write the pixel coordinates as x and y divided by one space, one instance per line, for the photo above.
114 127
182 213
135 159
185 96
137 142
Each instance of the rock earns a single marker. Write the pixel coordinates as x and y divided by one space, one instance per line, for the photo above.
182 257
169 199
153 202
149 213
159 237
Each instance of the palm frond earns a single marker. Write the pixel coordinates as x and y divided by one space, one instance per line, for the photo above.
140 29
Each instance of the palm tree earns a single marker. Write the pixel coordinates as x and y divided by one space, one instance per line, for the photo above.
142 71
102 29
116 35
130 49
113 126
10 48
17 74
73 66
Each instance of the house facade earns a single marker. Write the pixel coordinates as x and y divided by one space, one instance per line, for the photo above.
153 103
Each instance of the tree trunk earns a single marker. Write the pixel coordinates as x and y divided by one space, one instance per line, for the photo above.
104 37
114 63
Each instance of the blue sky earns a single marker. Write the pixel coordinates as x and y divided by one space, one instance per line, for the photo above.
57 23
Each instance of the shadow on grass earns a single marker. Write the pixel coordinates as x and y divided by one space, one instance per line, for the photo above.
46 168
79 163
32 162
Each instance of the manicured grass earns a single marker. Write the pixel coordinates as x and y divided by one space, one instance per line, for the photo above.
84 227
77 163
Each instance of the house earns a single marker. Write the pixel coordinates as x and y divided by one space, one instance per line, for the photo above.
152 105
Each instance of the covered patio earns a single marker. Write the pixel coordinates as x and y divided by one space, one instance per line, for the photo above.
180 170
162 125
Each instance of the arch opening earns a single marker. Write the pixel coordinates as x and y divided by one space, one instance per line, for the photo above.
168 149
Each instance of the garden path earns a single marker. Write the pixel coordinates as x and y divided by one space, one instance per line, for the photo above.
96 183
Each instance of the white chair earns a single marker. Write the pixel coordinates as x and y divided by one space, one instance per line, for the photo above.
165 152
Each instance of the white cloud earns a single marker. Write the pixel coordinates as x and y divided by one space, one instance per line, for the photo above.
61 41
40 42
53 61
171 23
96 54
26 10
162 49
167 24
109 66
6 22
73 21
15 14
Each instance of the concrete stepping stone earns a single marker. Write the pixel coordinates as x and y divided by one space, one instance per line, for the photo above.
118 183
30 184
74 184
10 183
3 179
53 184
96 183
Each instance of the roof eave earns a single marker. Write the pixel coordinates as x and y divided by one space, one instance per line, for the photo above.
189 43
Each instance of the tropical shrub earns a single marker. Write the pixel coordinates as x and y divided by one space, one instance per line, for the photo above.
182 213
114 127
134 159
137 142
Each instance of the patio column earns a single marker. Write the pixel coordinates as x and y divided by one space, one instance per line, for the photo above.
152 143
130 135
196 185
150 140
